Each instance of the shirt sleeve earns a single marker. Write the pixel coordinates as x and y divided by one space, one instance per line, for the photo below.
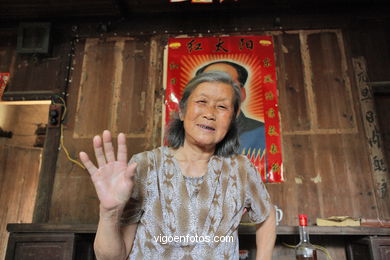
133 210
257 199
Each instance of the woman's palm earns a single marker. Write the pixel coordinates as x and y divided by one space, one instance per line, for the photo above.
113 179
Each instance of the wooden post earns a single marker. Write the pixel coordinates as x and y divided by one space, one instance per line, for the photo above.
375 144
46 176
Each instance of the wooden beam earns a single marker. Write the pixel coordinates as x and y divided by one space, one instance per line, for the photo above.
46 176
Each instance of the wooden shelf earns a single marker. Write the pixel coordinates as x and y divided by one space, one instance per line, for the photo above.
48 228
330 231
244 229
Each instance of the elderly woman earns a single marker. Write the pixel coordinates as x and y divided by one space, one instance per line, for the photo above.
184 200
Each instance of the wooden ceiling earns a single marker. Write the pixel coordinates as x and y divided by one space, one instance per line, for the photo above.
18 10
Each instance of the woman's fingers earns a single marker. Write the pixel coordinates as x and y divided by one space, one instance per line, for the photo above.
98 148
130 171
108 148
122 149
87 163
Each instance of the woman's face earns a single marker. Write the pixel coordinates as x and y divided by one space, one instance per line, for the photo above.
208 114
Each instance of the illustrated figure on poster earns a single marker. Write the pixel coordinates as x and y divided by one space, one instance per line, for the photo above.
251 132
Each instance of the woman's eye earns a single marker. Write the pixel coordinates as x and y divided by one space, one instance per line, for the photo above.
223 107
201 101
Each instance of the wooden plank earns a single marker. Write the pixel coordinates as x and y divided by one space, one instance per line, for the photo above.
316 166
379 167
331 153
331 173
332 96
43 74
30 185
317 160
300 168
10 192
307 69
17 202
3 198
22 121
97 84
292 93
65 205
356 168
306 169
155 70
135 91
319 231
243 229
132 93
46 176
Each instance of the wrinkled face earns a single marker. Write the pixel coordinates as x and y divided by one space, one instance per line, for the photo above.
208 114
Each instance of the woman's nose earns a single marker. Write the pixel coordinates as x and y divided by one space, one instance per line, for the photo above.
209 113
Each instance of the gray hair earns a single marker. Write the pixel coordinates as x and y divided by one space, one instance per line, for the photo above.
241 71
229 145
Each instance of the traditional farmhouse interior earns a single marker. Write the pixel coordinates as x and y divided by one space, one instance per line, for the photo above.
71 69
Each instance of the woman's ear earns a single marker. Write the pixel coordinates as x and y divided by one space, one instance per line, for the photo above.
181 115
238 111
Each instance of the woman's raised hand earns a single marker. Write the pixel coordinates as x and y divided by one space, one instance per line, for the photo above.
113 179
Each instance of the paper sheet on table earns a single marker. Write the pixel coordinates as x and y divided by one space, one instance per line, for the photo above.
338 221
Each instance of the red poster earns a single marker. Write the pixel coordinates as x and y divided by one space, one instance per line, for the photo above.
252 57
4 77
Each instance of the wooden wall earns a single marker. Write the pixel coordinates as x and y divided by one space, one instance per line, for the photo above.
22 121
371 40
34 77
323 141
116 83
323 138
19 165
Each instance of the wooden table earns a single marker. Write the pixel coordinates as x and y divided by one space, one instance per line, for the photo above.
50 241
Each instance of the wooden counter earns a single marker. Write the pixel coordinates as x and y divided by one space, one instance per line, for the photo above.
247 229
50 241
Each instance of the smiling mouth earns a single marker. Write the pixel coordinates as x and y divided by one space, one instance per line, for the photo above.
206 127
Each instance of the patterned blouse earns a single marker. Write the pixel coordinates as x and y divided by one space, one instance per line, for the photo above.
182 217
